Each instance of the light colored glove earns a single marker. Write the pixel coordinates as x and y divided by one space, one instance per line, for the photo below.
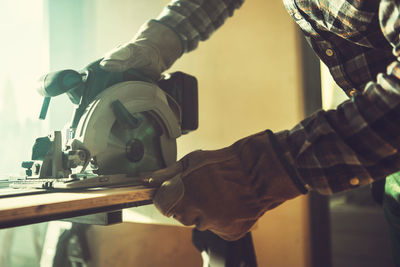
153 50
225 190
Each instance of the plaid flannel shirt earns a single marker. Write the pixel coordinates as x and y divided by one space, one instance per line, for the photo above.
359 41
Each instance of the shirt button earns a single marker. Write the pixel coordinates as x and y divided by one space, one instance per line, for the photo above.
297 16
354 181
329 52
352 92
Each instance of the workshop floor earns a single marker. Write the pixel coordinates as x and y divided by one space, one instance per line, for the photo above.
358 231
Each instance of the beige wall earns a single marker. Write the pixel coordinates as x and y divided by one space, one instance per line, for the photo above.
249 80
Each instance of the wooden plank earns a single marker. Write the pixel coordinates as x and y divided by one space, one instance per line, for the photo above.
21 210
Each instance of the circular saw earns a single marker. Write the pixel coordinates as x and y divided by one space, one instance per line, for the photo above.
124 126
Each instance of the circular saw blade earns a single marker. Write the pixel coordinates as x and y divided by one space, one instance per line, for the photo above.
116 142
119 156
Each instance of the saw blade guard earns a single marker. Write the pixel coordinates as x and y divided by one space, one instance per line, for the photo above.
131 127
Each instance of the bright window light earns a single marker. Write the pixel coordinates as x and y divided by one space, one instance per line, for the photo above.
24 58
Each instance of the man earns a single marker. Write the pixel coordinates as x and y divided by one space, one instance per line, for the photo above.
227 190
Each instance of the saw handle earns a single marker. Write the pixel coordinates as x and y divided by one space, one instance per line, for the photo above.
83 86
57 83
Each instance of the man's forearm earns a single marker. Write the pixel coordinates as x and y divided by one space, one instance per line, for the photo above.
358 142
195 21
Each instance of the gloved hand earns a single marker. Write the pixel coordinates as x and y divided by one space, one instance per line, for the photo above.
225 190
153 50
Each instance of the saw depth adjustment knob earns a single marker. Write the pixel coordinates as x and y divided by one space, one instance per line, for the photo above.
75 158
28 166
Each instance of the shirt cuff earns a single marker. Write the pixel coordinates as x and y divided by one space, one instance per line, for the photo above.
278 144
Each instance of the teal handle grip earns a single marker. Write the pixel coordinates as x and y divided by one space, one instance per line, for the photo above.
59 82
83 86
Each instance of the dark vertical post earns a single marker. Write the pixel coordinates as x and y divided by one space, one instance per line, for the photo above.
318 204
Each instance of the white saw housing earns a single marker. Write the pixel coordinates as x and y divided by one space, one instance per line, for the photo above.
95 126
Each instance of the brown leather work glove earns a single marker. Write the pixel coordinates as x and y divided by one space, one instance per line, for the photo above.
225 190
153 50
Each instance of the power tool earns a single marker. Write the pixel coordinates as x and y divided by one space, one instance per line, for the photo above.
124 126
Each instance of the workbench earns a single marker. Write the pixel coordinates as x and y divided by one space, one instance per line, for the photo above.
28 207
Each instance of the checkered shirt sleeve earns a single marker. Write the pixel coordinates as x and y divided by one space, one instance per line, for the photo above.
358 142
196 20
